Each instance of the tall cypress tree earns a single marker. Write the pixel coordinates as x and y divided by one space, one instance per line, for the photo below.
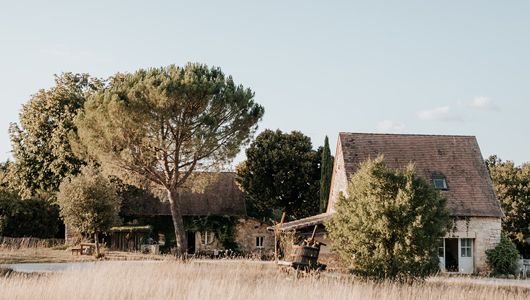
325 179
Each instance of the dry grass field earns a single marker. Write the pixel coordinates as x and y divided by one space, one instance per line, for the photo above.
49 255
174 280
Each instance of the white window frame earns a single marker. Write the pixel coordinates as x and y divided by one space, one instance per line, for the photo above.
207 238
466 248
441 180
259 242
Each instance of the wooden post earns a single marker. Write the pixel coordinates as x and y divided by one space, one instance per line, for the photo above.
311 239
314 230
275 248
97 242
283 218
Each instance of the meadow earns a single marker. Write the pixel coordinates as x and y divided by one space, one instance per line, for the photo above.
246 280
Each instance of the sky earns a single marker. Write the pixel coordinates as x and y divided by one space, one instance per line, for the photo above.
319 67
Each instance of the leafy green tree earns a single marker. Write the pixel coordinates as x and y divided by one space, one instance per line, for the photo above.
155 129
390 223
512 186
503 258
4 169
260 213
282 171
326 175
41 147
34 217
89 202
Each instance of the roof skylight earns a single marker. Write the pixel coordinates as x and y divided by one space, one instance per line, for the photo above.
439 181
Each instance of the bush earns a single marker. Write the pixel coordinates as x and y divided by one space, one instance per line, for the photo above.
31 217
503 258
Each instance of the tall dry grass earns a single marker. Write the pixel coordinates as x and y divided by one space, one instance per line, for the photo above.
173 280
28 242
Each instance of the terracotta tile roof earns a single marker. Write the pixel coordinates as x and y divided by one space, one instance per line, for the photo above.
302 223
223 198
470 191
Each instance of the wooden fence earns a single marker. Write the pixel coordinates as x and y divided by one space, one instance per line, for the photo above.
125 241
28 242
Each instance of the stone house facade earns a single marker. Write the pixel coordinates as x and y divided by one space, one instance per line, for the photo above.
252 238
223 198
454 164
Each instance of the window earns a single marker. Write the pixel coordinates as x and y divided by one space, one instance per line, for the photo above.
207 238
439 182
466 247
441 248
259 242
161 239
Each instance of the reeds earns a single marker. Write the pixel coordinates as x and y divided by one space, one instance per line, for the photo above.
28 243
192 280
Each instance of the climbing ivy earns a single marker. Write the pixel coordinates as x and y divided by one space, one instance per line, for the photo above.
461 218
224 227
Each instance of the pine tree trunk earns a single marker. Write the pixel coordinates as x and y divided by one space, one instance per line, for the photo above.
180 232
97 242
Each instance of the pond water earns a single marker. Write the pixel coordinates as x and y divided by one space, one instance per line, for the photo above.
62 267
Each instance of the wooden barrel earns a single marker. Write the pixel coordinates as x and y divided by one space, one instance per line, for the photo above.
304 255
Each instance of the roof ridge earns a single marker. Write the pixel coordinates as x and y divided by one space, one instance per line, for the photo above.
407 134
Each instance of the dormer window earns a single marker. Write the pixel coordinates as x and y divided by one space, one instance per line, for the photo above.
439 181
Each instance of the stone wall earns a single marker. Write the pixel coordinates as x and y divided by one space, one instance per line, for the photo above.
339 181
248 231
71 236
486 232
211 245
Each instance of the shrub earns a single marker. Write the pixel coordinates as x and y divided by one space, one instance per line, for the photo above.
31 217
503 257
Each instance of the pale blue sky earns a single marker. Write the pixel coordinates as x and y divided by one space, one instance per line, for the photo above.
320 67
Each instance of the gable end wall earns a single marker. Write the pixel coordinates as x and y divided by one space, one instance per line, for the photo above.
339 181
486 232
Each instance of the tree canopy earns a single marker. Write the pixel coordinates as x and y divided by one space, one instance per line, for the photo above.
390 223
326 175
40 143
156 128
33 216
89 202
282 171
512 186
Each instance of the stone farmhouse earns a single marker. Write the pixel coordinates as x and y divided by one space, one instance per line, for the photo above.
453 164
223 198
